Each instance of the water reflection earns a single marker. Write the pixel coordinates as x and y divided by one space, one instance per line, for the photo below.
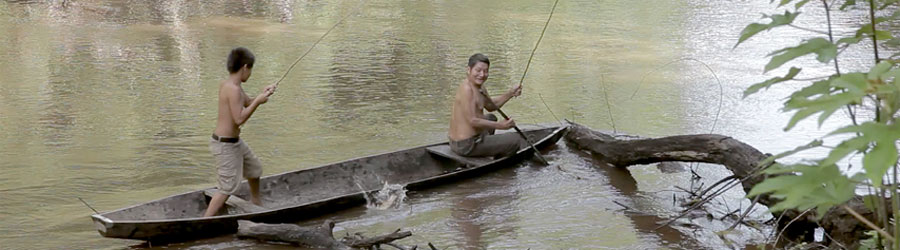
111 101
490 210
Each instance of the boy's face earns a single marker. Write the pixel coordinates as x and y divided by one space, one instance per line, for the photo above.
245 73
478 73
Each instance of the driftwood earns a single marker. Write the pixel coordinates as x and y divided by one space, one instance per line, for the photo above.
312 237
738 157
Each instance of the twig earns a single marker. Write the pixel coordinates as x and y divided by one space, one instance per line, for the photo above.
789 224
775 220
868 223
743 215
837 68
701 202
723 180
89 206
567 172
811 78
608 107
396 246
874 33
832 239
729 214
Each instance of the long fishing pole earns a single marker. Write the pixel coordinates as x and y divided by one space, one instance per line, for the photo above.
538 42
316 43
522 134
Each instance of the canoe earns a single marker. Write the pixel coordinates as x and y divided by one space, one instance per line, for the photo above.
304 194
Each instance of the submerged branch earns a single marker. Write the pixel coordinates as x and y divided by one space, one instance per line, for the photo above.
738 157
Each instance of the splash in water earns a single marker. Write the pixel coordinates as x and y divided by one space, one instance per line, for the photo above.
391 196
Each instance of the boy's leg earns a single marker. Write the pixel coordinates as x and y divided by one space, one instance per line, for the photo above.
498 145
252 171
215 204
254 191
228 174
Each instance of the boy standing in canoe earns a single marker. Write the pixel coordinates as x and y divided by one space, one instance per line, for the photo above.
472 132
234 159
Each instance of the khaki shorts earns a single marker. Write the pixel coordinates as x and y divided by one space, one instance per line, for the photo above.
234 161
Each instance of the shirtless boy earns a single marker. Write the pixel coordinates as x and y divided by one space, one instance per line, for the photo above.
472 132
234 159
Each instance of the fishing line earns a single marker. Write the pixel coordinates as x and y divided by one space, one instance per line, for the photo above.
316 43
548 109
538 42
721 89
721 94
528 64
89 206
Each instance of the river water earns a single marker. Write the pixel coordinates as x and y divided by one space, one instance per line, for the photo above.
113 102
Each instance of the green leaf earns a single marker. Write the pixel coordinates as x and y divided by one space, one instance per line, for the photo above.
879 70
849 40
800 4
749 31
817 88
879 160
773 184
848 3
800 115
893 42
886 3
855 144
870 202
809 186
866 31
771 159
825 103
824 116
874 131
783 2
820 46
754 28
883 35
854 82
768 83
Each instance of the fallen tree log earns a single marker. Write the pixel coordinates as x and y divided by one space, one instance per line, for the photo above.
738 157
312 237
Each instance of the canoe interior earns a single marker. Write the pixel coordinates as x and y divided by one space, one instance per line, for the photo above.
316 188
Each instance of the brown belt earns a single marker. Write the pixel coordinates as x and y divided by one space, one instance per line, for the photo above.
225 139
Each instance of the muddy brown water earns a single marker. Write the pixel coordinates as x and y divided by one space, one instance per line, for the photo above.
113 102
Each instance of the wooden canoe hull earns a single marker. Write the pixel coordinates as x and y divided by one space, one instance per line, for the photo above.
302 194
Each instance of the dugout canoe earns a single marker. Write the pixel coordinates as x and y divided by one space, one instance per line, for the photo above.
304 194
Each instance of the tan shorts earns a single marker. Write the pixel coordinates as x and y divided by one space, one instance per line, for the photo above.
234 161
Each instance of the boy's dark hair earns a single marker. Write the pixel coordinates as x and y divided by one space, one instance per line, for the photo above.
239 57
478 57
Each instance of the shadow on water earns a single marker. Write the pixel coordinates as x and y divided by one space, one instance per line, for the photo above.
622 180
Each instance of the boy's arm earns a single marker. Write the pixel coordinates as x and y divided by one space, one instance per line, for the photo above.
239 112
246 99
502 99
468 108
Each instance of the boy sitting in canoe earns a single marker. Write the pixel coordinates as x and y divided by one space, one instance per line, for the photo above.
234 159
472 132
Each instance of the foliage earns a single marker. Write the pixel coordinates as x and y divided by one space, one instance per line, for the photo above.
819 183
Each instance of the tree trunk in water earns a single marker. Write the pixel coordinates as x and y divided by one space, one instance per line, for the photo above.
311 237
738 157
